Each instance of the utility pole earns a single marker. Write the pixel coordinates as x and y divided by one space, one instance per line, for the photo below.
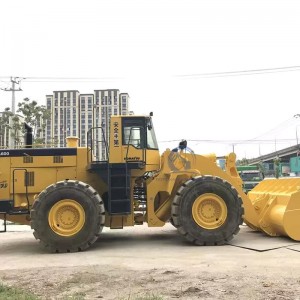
14 81
296 116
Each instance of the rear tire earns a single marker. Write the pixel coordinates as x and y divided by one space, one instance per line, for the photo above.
67 216
172 222
207 211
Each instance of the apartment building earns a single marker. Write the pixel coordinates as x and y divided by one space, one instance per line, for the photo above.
124 104
64 121
74 114
86 108
107 103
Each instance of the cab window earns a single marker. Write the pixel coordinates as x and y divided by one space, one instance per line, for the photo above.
134 132
139 133
132 136
151 138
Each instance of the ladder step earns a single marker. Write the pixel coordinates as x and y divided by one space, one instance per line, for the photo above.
120 182
120 206
119 193
121 200
119 189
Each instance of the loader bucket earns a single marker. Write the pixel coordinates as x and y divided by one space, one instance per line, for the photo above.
277 205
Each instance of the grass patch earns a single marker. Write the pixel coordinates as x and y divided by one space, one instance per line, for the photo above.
11 293
76 296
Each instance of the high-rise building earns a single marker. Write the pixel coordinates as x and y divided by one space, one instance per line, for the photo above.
40 132
124 104
74 114
107 103
64 121
86 107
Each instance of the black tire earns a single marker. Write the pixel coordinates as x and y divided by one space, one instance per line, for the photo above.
82 195
183 204
172 222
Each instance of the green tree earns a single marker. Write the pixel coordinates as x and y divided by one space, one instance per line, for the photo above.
261 168
4 125
35 116
17 130
9 124
242 162
277 166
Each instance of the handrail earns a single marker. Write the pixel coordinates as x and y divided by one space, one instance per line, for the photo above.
91 143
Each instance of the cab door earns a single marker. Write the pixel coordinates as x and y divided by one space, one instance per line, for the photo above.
134 140
139 142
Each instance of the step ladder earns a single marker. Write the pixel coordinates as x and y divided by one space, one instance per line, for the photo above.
119 202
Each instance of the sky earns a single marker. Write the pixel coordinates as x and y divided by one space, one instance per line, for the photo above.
156 51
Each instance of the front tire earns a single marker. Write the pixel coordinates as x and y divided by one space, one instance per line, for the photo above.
207 211
67 216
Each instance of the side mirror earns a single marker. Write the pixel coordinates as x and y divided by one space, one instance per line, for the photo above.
149 124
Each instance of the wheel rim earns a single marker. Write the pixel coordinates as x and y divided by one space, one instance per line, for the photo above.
209 211
66 217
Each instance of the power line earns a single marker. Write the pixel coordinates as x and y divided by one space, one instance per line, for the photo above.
200 75
276 129
65 79
241 73
236 142
69 80
14 81
5 82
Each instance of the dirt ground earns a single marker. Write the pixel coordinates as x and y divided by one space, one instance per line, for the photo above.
140 261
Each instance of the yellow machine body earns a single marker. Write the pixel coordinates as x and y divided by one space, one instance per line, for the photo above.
23 178
69 194
277 207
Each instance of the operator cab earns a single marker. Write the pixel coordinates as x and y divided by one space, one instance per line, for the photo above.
133 140
132 152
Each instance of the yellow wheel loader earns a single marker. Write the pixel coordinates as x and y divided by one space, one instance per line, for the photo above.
69 194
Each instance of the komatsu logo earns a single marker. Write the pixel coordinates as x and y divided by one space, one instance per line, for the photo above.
135 158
